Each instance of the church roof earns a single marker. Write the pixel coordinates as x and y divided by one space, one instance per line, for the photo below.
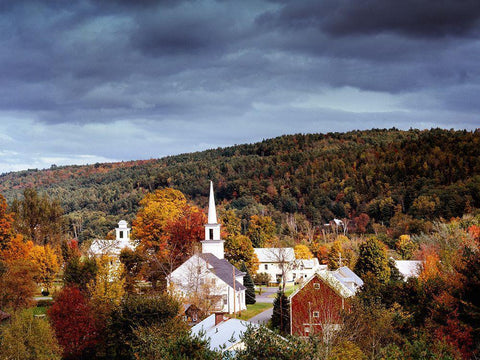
224 270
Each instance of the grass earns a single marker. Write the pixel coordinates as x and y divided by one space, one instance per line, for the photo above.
39 310
253 310
289 289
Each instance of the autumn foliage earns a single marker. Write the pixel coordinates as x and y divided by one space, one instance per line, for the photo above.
74 323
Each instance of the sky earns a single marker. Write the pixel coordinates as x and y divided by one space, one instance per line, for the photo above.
91 81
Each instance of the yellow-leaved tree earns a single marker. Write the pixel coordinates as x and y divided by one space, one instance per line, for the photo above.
157 211
108 287
302 252
45 263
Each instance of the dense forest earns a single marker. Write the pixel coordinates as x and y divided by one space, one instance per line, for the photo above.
419 174
362 199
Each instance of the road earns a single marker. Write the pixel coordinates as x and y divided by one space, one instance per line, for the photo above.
266 297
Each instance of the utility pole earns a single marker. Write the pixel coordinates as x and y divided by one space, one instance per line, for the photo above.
234 294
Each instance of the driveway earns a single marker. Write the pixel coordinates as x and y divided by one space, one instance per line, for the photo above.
262 318
266 296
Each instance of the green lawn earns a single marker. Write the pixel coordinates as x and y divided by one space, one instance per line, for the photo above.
253 310
289 289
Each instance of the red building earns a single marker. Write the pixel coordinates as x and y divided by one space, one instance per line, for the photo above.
316 307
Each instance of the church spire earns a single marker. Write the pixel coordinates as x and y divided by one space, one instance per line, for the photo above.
212 244
212 211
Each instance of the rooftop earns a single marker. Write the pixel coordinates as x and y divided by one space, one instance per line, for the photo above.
274 254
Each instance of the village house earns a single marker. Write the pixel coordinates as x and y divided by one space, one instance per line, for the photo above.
112 248
208 275
316 307
191 314
279 262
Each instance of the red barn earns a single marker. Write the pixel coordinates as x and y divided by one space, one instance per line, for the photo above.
316 307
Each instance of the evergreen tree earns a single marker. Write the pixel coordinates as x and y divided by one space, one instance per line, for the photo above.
281 313
248 282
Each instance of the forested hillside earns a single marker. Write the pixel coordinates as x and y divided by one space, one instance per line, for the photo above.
382 173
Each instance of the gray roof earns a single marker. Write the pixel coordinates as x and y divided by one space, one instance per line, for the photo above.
224 335
224 270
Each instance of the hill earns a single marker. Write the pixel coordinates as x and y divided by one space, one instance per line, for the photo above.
425 174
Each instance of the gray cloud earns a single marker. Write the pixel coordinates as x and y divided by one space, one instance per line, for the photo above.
416 18
187 75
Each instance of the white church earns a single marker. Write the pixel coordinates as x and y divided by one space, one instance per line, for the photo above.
210 272
112 248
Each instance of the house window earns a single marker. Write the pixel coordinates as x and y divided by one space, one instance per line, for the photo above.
316 286
202 281
213 281
266 266
307 330
225 300
316 314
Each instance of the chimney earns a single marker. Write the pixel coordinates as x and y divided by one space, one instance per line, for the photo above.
218 318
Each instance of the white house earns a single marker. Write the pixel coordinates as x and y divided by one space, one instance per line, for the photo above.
305 268
224 333
208 273
278 261
113 248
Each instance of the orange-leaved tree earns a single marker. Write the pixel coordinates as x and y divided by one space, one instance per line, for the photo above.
16 249
157 211
168 229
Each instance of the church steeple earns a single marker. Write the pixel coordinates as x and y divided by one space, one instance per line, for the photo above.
212 243
212 211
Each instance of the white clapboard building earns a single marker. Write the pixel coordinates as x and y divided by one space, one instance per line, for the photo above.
209 272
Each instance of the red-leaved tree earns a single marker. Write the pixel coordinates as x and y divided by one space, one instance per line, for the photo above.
74 323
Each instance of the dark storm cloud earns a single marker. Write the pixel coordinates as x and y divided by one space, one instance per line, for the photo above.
186 75
416 18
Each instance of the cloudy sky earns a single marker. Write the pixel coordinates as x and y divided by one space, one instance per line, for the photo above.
93 81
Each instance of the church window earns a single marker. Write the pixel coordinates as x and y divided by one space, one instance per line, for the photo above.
211 234
316 314
121 234
266 266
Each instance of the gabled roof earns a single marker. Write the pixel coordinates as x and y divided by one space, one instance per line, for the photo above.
224 335
224 270
337 281
273 255
310 264
348 278
112 247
